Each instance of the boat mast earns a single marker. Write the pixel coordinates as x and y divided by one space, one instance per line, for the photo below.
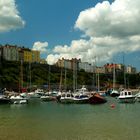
30 75
114 76
73 76
94 71
49 77
60 84
98 80
97 76
21 74
124 71
65 75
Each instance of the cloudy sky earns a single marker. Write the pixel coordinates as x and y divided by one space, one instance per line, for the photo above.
85 29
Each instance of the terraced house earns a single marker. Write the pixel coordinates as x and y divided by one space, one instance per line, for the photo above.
15 53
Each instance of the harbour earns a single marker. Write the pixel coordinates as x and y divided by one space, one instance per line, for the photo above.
54 121
69 70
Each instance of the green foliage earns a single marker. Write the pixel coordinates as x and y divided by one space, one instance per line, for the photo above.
43 74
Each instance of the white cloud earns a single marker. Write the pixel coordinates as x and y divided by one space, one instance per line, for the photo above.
9 16
40 46
51 59
119 19
111 27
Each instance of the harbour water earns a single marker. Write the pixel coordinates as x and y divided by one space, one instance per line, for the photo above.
54 121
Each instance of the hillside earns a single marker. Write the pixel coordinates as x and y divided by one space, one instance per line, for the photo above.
43 74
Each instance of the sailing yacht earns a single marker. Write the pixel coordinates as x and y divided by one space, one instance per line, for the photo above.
114 93
126 96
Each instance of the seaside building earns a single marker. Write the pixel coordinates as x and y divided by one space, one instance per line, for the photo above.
10 53
30 55
130 70
27 55
60 63
100 70
109 68
86 67
68 64
15 53
35 56
75 63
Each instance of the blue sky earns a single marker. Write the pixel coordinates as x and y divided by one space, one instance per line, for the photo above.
47 20
74 28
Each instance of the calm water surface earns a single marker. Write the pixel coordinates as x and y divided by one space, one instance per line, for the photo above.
53 121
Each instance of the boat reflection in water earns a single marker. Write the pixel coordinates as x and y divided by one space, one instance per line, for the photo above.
4 99
18 99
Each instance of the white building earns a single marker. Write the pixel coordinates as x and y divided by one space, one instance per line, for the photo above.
130 70
10 53
86 67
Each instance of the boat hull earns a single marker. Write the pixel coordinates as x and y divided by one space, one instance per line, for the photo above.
80 101
127 100
97 99
114 94
66 101
4 101
48 98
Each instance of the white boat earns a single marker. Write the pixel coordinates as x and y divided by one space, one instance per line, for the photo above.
39 92
33 95
126 96
48 98
80 98
66 98
82 91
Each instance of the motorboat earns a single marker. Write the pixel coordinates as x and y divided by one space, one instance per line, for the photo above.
96 98
80 98
39 92
33 95
36 94
66 97
48 98
82 91
126 96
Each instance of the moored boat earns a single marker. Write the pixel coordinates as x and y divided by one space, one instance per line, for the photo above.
33 95
81 98
126 96
48 98
96 98
67 98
